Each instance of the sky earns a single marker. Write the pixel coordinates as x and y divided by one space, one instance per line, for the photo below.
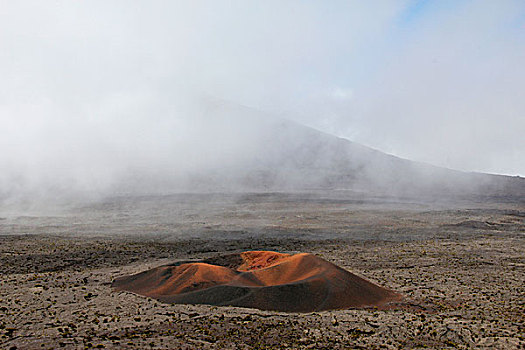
433 81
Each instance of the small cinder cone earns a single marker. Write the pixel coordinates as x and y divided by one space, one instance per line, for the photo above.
263 280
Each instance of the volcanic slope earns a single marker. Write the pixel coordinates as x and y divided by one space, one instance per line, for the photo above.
255 151
259 279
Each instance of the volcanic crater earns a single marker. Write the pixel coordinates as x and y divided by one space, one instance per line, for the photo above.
263 280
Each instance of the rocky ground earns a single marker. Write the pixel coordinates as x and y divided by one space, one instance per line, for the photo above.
461 269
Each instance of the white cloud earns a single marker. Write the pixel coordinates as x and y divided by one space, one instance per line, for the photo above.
100 83
342 93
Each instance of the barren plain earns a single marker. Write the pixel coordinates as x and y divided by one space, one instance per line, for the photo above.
460 264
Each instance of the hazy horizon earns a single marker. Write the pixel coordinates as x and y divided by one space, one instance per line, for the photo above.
92 92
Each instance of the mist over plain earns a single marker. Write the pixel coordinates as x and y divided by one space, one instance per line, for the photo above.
102 99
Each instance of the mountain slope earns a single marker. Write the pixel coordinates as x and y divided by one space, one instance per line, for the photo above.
284 155
210 146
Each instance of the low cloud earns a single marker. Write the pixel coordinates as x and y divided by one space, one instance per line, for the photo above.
94 91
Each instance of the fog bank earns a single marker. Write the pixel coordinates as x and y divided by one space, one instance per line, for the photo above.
101 98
